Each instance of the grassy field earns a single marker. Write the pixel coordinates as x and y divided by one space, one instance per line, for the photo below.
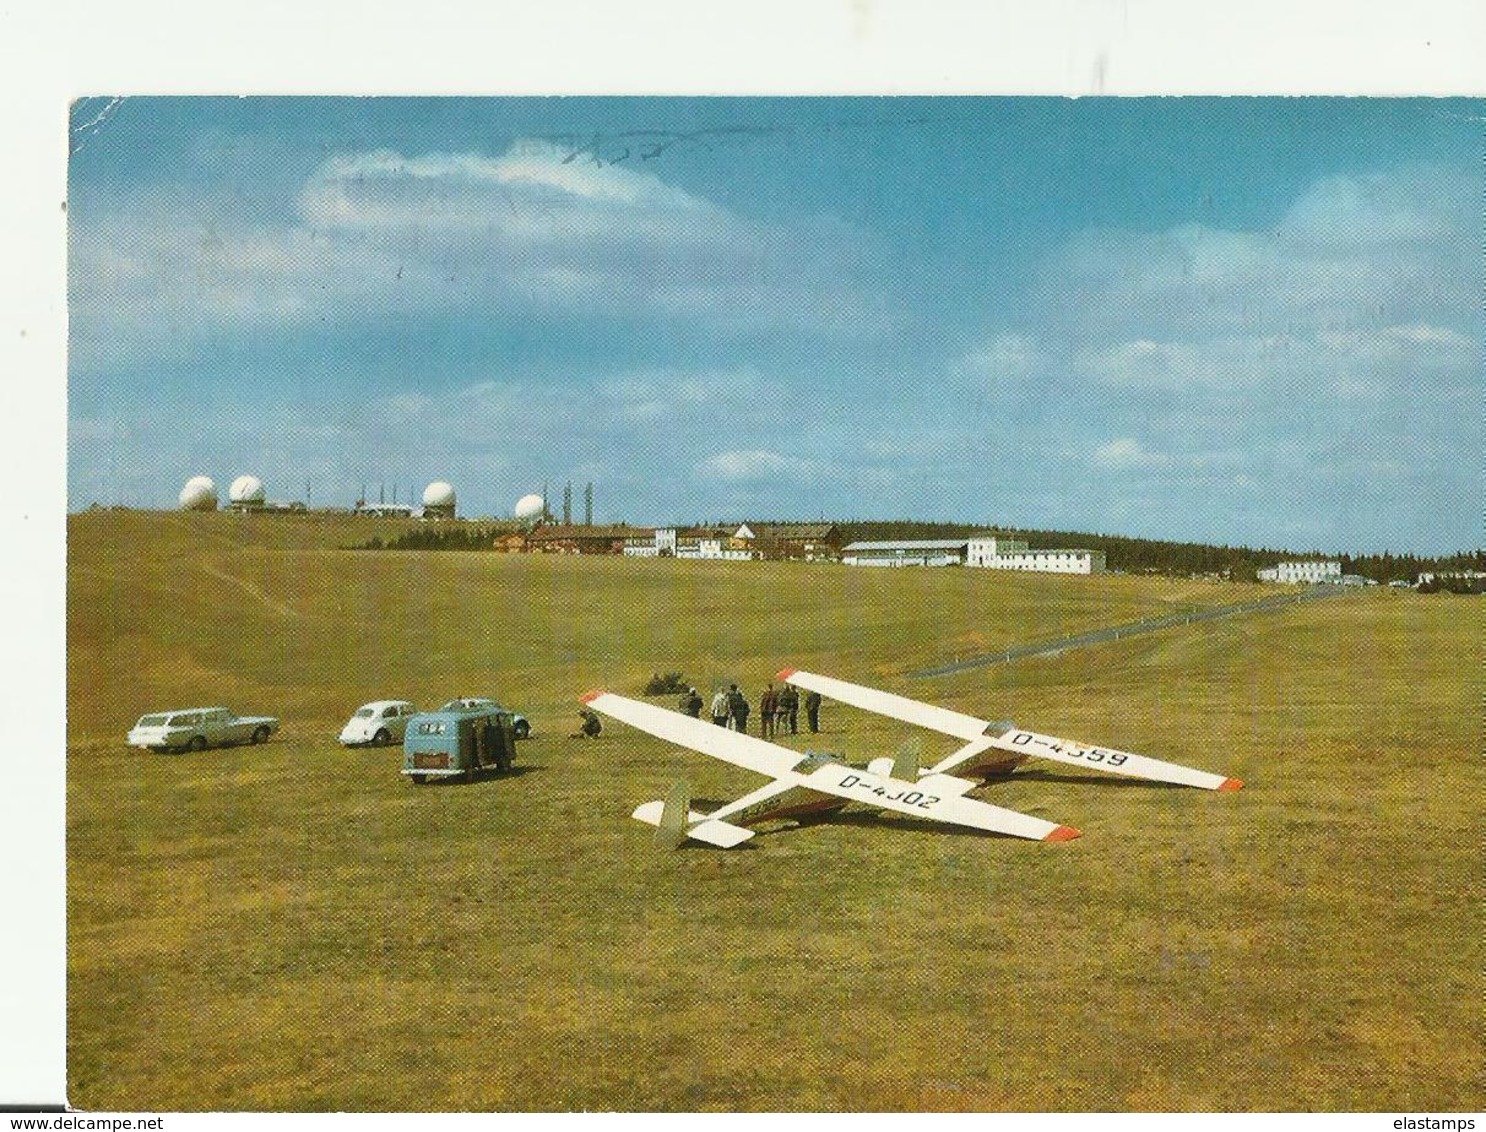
295 926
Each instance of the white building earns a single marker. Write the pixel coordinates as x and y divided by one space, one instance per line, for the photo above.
1313 572
384 510
640 546
1425 579
668 542
712 549
984 549
988 552
656 544
1046 561
713 543
905 552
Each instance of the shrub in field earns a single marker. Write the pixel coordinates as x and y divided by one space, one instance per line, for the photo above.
672 683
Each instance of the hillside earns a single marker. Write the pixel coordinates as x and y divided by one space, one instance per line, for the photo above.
295 926
269 613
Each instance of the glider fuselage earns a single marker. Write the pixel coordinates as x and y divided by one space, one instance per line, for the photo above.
795 802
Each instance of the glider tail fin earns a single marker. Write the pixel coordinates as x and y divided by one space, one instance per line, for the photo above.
675 822
675 815
905 763
903 766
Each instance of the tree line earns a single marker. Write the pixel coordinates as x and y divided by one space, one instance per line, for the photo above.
436 537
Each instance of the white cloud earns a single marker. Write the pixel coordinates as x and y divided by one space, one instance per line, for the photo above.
1126 453
1364 288
1351 253
677 397
1437 336
1006 357
1142 362
769 478
661 444
1323 365
95 430
401 406
378 234
530 191
1373 209
1354 363
1318 373
754 464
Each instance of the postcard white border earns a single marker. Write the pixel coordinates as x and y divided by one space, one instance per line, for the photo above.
1073 47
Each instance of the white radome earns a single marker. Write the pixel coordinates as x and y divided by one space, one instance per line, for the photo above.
199 494
246 489
530 506
438 494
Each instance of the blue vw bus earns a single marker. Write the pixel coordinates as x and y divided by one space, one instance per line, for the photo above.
458 743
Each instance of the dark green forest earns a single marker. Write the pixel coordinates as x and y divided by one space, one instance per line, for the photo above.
438 536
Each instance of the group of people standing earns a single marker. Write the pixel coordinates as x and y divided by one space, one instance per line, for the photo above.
777 710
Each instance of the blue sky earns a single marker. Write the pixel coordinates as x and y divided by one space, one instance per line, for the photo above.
1228 320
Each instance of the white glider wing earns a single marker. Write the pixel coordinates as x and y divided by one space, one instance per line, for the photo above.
934 797
961 726
729 746
918 799
1116 762
982 735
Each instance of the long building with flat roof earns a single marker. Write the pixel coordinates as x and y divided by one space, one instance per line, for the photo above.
1310 572
1051 561
906 552
987 552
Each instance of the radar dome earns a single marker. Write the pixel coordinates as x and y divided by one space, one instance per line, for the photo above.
530 506
246 489
199 494
438 494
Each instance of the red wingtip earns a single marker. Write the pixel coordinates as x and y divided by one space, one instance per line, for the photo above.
589 697
785 673
1063 833
1231 784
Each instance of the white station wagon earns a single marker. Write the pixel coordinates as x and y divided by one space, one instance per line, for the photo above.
378 723
195 729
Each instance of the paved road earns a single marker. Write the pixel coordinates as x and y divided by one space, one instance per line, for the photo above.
1149 625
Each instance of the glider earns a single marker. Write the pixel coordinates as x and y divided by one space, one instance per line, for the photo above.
997 748
804 785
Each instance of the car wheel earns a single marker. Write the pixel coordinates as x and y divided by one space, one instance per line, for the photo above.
197 743
260 735
382 737
522 729
419 779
